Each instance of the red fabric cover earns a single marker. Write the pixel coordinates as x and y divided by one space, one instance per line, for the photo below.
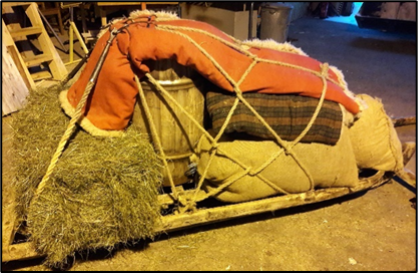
112 100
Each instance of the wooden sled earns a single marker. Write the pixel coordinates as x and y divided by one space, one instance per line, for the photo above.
181 218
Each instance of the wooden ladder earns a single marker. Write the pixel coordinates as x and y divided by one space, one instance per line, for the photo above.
49 54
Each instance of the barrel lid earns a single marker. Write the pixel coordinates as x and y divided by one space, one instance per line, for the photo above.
276 6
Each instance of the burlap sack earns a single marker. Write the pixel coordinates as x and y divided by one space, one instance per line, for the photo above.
375 142
329 166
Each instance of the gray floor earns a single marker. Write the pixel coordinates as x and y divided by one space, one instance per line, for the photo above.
375 62
378 63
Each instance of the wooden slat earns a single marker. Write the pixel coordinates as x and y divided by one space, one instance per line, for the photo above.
14 89
26 31
17 58
41 75
408 176
23 70
51 11
403 121
14 17
205 216
38 60
57 67
22 251
168 199
15 4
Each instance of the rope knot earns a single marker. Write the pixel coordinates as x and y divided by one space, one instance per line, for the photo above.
287 149
214 145
237 90
254 172
324 69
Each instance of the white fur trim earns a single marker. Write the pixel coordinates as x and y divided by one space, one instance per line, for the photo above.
348 118
84 122
362 105
159 14
113 21
274 45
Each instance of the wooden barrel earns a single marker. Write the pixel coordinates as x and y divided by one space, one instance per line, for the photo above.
177 133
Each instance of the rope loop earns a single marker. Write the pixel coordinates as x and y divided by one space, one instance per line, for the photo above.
214 145
324 69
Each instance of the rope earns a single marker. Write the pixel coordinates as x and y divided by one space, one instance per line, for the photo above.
285 146
65 138
244 51
155 135
230 44
247 170
238 91
324 72
180 156
200 182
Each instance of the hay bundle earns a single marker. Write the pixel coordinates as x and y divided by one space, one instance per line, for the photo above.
103 191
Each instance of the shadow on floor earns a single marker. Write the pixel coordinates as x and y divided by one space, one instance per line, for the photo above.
396 46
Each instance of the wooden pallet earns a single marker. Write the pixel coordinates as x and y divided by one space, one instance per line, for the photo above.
49 55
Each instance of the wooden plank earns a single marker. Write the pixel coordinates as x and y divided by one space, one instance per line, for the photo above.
79 37
15 4
17 58
408 150
14 89
205 216
41 75
403 121
14 19
56 66
51 11
26 31
38 59
408 176
23 71
22 251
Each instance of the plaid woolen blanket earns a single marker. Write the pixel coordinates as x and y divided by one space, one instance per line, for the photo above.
288 115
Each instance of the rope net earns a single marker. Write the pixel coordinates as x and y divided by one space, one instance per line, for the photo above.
285 147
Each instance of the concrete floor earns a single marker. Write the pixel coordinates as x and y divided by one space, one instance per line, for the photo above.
371 231
374 62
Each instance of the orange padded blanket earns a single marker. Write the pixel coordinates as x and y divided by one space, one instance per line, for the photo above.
110 105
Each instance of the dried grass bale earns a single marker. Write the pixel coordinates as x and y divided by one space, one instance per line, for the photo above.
103 191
